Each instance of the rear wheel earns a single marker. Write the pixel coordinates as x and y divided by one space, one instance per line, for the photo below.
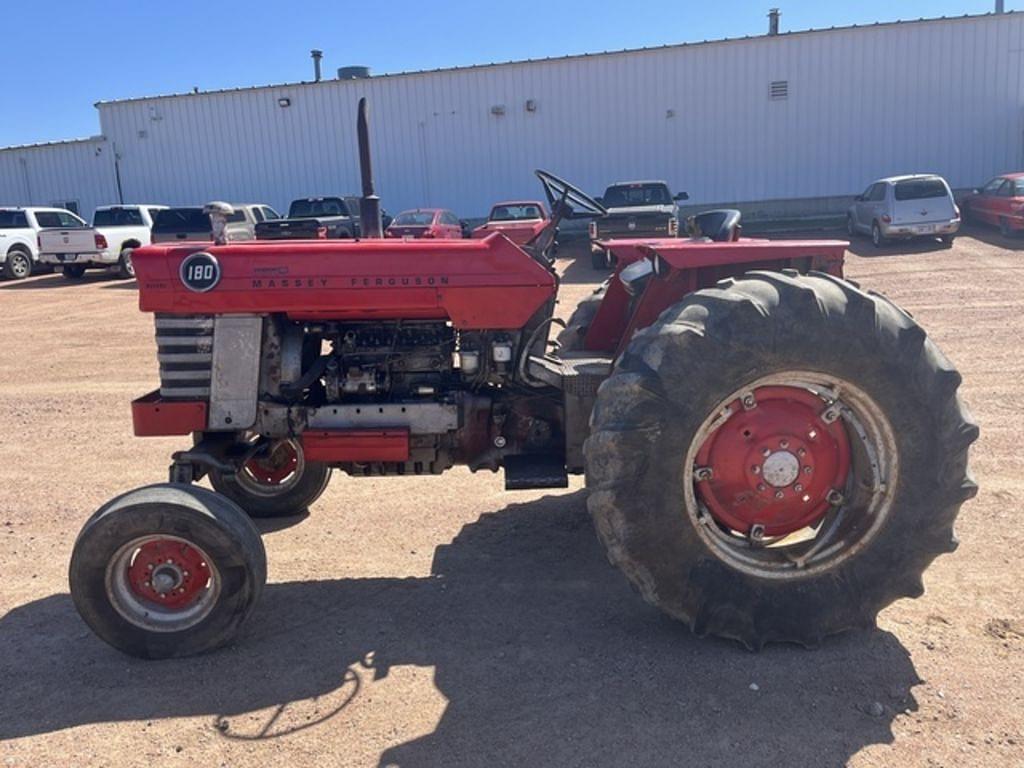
74 271
575 331
877 238
1004 228
851 229
167 570
780 492
18 265
599 260
276 481
125 268
947 240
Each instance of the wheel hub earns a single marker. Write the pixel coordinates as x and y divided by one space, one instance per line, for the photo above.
272 468
168 572
771 467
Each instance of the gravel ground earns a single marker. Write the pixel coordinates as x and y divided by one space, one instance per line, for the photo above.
444 621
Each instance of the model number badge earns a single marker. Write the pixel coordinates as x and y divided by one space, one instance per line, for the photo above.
200 272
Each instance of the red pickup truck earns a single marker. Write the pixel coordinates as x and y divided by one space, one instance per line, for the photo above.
518 220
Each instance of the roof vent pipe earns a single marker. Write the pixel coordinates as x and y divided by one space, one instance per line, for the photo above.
317 56
1000 6
773 21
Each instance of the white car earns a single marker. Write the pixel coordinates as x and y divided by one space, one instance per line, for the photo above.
19 230
116 231
903 207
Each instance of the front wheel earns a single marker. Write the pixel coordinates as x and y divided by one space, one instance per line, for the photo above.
877 238
1004 228
18 265
167 570
276 481
785 491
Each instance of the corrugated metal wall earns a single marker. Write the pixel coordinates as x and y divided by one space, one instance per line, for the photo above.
55 174
942 96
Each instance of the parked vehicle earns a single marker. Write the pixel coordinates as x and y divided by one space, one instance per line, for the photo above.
19 237
518 220
116 231
426 222
1000 203
635 209
771 456
315 218
192 224
904 207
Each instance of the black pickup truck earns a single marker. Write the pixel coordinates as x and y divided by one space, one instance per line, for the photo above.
315 218
635 209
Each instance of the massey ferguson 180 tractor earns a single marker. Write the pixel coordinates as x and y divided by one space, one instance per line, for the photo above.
771 453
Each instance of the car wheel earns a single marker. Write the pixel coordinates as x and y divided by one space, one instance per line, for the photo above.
877 238
947 240
851 229
125 268
18 265
1004 228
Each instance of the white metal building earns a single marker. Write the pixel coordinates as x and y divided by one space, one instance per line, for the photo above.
798 117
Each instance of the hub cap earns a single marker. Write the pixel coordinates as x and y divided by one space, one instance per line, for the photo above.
773 462
792 474
274 469
162 583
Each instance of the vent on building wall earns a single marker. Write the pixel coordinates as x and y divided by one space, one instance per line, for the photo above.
778 90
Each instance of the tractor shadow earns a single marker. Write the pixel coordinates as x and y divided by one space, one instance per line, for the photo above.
52 281
544 654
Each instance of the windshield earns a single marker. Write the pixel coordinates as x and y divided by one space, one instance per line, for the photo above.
627 195
414 219
921 189
515 212
117 217
308 209
182 220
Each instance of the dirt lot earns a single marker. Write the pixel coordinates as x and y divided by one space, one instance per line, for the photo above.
443 621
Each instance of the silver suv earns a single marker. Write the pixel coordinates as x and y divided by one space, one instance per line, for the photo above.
902 207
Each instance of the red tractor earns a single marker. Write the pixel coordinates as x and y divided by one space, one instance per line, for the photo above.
771 453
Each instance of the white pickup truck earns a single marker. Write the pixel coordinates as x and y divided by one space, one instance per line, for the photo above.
19 228
115 232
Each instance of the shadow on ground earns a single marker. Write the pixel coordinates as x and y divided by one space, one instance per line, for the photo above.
40 282
544 654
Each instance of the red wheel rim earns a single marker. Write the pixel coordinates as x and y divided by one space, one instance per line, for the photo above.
168 573
276 465
775 464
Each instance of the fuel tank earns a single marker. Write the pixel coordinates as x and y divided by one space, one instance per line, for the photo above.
478 284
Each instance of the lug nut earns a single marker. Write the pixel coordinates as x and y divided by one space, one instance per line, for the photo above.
755 469
761 487
766 452
779 494
783 443
801 451
807 470
798 488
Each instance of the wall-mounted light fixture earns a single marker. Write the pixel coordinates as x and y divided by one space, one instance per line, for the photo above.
284 101
498 110
531 105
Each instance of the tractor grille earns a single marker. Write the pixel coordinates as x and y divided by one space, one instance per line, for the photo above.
185 350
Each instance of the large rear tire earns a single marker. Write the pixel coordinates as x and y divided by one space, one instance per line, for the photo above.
18 264
702 436
571 337
167 570
279 482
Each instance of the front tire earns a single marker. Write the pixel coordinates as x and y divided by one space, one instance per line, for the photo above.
703 434
18 265
278 482
167 570
1005 229
571 338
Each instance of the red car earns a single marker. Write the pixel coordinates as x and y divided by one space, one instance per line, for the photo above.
518 220
436 223
1000 203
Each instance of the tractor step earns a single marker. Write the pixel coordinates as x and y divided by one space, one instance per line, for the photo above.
526 472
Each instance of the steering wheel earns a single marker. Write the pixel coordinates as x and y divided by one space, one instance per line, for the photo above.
567 201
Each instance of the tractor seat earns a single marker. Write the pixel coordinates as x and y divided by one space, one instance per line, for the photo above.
720 225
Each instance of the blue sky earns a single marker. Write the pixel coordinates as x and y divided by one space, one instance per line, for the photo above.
61 57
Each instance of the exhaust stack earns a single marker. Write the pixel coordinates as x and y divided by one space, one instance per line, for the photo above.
369 209
773 21
317 56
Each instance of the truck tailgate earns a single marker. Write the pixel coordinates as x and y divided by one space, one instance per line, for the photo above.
74 240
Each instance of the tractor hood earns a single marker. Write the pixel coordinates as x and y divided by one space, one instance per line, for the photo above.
477 284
